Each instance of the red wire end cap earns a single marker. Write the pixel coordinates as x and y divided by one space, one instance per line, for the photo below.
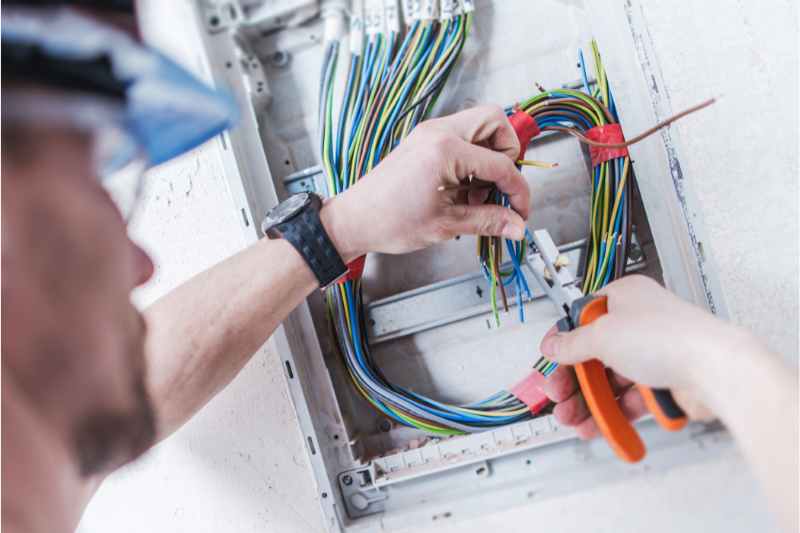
530 392
526 128
610 134
355 269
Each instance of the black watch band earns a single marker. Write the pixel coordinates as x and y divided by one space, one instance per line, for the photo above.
303 229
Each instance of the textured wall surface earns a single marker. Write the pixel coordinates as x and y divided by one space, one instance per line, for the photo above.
240 464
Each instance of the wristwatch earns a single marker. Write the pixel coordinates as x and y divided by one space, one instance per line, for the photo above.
296 219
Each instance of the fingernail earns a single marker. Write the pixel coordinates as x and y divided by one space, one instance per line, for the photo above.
549 345
513 232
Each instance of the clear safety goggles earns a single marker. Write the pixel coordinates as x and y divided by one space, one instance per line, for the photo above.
118 161
140 107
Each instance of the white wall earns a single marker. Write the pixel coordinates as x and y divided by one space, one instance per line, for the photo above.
240 465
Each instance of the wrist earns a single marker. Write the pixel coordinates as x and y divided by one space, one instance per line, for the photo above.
341 224
724 353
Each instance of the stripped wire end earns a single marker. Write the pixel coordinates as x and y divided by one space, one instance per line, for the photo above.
537 164
545 366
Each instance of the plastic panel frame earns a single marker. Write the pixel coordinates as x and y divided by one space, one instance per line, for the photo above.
559 462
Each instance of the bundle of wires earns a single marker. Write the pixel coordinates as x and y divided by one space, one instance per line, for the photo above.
394 78
591 117
393 81
569 111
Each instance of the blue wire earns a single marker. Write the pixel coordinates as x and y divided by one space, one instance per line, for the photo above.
584 76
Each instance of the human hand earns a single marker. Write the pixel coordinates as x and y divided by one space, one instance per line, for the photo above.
398 207
649 336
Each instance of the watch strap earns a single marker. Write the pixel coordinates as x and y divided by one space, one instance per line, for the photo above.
307 235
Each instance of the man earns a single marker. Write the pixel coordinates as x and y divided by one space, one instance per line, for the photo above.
89 383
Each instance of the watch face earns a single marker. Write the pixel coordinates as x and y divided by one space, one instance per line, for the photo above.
285 210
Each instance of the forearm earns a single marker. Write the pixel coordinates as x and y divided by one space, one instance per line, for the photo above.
205 331
202 333
755 395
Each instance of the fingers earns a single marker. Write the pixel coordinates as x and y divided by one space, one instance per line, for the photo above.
571 408
618 383
486 125
632 404
561 384
477 196
489 220
692 406
472 160
575 413
572 411
578 345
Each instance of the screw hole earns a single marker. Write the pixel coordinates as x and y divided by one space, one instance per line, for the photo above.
311 446
214 21
324 494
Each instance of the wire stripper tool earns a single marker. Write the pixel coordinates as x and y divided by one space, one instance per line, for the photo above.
579 310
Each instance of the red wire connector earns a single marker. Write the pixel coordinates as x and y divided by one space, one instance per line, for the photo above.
530 392
355 269
526 128
610 134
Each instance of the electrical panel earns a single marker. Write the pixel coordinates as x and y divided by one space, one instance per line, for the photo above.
428 316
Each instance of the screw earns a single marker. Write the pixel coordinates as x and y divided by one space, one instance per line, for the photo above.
347 480
279 58
214 21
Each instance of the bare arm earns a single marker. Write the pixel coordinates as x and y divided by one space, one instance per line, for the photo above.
654 338
204 332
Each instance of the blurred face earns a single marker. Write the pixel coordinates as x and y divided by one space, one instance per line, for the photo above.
71 338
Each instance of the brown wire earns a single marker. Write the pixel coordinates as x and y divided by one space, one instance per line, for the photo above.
582 138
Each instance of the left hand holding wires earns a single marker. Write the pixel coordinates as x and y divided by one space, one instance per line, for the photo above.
406 202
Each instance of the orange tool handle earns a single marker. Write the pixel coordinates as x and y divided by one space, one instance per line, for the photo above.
600 398
662 405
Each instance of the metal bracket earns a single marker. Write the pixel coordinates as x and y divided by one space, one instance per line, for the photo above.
449 301
311 179
219 16
360 495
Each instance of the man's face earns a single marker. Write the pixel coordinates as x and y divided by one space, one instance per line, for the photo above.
71 338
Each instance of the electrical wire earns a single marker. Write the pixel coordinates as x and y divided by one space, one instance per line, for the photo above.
392 83
389 88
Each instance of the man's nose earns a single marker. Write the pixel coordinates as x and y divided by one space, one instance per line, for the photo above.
143 267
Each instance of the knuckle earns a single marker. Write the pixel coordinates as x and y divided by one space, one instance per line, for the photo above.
445 225
440 141
637 282
493 111
492 223
425 128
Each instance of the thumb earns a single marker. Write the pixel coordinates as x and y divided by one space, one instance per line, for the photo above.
487 220
576 346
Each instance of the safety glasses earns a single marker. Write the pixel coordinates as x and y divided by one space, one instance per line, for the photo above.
141 108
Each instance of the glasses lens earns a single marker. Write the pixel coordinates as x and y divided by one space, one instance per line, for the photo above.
125 186
120 168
